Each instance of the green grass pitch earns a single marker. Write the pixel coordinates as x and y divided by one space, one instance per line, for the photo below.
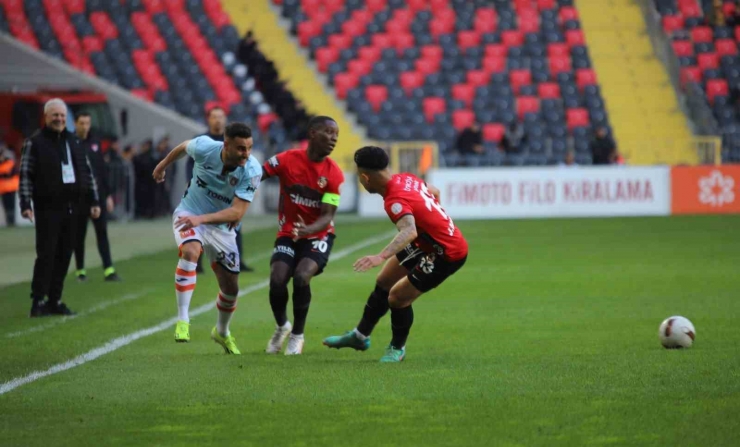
547 336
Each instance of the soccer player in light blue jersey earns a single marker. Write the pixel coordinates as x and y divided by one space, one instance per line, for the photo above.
225 179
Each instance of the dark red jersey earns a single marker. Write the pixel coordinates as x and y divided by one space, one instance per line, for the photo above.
407 194
303 185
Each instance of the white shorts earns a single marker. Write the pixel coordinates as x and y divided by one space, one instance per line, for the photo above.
218 244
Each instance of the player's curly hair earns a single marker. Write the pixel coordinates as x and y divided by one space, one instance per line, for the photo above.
372 158
238 130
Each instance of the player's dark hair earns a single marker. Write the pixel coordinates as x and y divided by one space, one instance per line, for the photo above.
238 130
371 158
319 121
213 109
82 114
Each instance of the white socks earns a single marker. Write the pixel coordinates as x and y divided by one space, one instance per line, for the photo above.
184 287
226 305
359 335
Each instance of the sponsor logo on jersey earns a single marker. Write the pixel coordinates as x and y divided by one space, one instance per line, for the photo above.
273 161
207 168
300 200
200 182
217 196
396 208
233 181
322 182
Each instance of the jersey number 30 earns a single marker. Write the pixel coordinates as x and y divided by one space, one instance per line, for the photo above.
431 204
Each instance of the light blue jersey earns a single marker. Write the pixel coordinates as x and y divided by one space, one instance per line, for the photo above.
212 188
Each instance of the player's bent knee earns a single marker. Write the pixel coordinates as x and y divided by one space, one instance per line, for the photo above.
302 278
190 251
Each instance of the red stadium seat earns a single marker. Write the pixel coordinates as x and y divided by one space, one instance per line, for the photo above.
427 66
495 50
529 24
362 15
344 82
726 47
559 64
308 30
404 15
354 28
462 119
467 39
690 74
557 50
439 27
464 92
493 132
334 5
395 27
576 118
103 25
326 56
492 64
359 67
568 13
376 95
717 87
575 37
265 120
691 9
518 78
478 78
436 4
527 104
340 41
382 40
486 13
548 90
512 38
416 5
584 77
369 54
74 6
702 34
142 93
683 48
403 41
153 6
411 80
707 61
546 4
432 52
672 24
91 44
376 5
433 106
484 21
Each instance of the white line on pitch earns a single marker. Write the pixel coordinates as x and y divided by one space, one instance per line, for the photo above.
124 340
98 307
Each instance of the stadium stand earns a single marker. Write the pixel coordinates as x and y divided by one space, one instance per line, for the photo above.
707 51
403 65
177 53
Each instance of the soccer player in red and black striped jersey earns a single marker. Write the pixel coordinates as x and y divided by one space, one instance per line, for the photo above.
309 197
427 250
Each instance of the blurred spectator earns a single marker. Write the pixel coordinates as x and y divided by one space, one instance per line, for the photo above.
513 138
470 141
121 179
603 149
144 184
128 153
162 205
570 160
9 180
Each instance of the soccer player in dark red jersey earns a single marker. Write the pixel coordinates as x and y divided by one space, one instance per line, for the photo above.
309 197
426 251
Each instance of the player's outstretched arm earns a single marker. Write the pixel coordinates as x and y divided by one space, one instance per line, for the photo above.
175 154
232 214
328 211
406 234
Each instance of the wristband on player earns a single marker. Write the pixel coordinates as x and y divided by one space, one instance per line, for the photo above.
331 199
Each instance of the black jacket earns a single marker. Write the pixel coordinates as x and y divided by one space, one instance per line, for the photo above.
41 170
99 165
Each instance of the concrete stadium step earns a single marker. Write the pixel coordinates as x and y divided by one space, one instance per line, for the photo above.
640 99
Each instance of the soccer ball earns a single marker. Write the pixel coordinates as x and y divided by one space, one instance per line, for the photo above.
676 332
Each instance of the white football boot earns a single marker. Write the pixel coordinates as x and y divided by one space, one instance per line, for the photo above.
295 345
275 344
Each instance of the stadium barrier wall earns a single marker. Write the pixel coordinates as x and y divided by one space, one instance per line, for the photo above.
608 191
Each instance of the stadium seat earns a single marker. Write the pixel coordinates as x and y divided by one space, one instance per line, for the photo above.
432 106
493 132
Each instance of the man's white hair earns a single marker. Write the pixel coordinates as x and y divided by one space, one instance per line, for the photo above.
54 102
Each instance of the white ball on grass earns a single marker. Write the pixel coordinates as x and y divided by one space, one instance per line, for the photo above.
676 332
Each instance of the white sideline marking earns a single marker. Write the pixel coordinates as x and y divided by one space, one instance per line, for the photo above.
124 340
96 308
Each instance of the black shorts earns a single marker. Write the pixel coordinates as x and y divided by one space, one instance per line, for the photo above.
291 252
427 270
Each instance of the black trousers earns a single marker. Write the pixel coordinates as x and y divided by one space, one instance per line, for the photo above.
9 205
101 236
55 238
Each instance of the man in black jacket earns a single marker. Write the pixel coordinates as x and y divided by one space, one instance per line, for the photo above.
55 177
91 146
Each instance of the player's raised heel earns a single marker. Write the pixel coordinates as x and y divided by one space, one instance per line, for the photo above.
348 340
182 332
295 345
228 342
393 355
275 344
